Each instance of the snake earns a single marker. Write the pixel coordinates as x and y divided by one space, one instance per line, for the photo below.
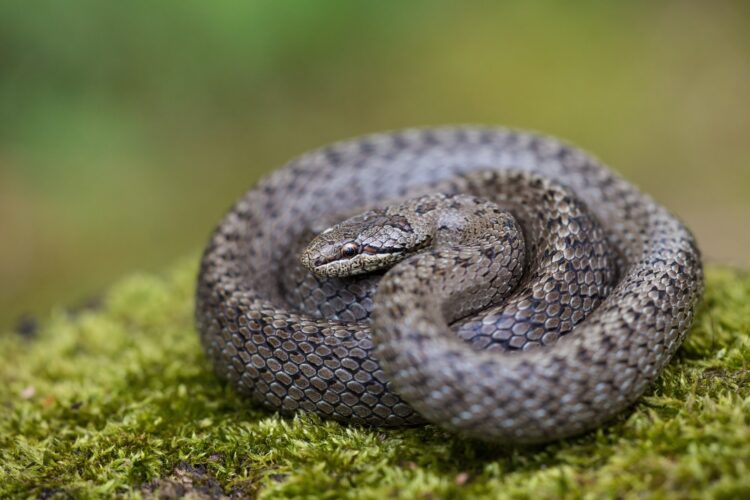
497 283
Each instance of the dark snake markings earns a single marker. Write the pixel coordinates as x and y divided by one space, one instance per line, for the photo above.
547 292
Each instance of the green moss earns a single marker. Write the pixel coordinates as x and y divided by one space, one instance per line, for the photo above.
120 400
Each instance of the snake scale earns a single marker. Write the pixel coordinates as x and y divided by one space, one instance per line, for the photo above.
497 283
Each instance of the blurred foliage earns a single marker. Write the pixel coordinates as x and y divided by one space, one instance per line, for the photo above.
127 128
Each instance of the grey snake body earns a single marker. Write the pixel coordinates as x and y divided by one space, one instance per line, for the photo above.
552 318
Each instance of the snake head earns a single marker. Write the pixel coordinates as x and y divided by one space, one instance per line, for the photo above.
364 243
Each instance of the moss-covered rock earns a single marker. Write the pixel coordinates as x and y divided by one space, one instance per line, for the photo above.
119 399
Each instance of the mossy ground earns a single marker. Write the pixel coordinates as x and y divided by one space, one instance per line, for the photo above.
119 400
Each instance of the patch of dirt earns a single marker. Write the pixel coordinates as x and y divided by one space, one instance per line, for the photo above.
194 482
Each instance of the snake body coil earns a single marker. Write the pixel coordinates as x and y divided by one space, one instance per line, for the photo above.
546 295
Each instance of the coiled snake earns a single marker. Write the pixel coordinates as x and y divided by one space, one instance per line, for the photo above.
533 294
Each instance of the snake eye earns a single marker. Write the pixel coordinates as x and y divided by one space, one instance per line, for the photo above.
349 250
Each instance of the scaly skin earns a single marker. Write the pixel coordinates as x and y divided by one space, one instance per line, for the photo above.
609 286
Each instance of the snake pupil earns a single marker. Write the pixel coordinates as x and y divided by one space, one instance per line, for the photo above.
349 250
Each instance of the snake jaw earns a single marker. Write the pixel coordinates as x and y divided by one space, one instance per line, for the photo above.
325 260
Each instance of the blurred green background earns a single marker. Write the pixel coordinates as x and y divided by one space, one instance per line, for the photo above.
128 128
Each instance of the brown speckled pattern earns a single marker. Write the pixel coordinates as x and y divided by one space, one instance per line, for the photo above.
610 284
